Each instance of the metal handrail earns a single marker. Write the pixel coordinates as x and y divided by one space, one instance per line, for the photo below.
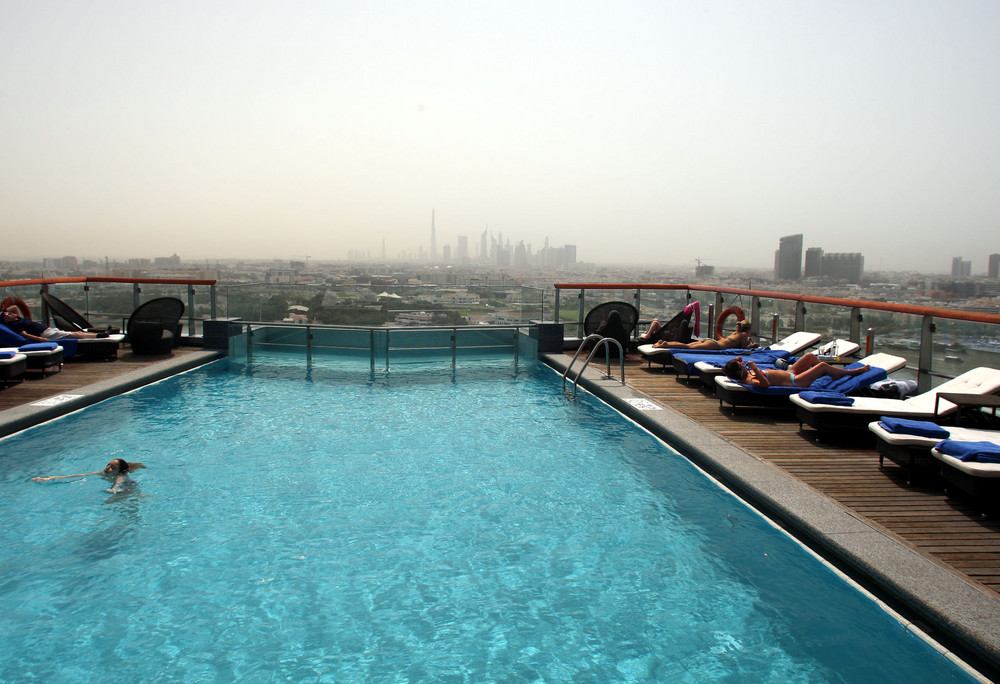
600 340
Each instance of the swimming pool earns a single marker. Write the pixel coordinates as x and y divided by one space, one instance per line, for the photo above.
424 524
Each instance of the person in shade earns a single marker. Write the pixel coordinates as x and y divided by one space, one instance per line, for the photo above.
803 373
39 332
115 471
738 339
614 328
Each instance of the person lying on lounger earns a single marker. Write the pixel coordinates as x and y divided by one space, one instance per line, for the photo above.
115 470
738 339
802 373
39 332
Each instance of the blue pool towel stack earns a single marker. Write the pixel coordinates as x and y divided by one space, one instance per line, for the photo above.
906 426
981 452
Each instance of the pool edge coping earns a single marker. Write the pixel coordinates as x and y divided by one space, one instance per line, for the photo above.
937 599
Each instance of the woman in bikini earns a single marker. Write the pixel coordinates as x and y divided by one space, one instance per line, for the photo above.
738 339
802 373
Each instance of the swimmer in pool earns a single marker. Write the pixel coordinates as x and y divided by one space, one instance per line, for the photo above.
803 373
117 470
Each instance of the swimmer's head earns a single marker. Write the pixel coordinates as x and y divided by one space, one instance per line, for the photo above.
115 466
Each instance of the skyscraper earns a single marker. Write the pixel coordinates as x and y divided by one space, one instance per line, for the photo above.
788 258
434 249
994 270
814 262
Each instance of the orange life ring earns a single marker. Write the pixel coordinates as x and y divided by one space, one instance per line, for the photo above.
726 313
19 303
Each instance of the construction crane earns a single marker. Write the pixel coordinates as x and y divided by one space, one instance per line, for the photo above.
702 268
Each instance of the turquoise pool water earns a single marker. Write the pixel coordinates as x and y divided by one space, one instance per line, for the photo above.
424 524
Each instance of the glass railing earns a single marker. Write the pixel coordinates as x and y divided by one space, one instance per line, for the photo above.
937 343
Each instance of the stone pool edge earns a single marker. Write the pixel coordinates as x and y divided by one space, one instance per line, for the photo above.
959 614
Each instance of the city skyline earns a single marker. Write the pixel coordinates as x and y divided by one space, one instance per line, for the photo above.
651 134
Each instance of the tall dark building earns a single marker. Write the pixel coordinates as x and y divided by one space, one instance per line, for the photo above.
959 267
994 271
788 258
814 262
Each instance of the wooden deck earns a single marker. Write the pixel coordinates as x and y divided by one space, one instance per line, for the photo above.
946 528
76 374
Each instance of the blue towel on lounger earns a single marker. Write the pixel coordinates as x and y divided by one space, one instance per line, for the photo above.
6 355
906 426
38 346
9 338
824 397
981 452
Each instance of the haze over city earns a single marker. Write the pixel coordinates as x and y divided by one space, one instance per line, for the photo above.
641 132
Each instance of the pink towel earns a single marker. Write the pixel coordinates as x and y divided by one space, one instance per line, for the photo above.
695 306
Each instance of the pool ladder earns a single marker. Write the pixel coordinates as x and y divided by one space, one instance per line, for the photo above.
600 341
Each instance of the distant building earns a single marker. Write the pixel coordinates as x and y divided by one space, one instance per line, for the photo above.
960 267
847 266
994 270
788 258
814 262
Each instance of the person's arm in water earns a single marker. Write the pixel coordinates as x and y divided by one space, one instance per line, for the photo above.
60 477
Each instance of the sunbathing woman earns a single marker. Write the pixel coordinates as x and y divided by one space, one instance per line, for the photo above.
116 469
803 373
738 339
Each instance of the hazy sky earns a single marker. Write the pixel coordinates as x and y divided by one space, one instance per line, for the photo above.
642 132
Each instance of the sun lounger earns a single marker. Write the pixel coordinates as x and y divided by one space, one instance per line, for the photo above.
972 467
709 369
684 360
908 443
39 356
12 367
862 410
737 394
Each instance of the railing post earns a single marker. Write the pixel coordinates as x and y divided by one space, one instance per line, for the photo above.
579 325
755 316
719 308
800 316
710 322
387 348
371 347
136 290
454 348
211 296
249 342
555 306
869 341
190 310
926 362
517 332
309 346
775 322
856 319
